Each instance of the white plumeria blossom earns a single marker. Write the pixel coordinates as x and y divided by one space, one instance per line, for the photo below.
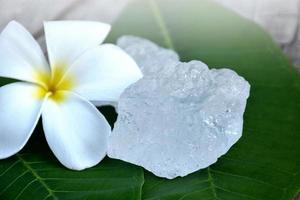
81 71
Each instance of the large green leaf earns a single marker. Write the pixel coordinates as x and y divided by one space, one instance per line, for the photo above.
36 174
263 165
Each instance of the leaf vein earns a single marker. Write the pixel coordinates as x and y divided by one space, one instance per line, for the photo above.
245 177
26 165
212 185
237 193
10 167
27 185
13 181
189 193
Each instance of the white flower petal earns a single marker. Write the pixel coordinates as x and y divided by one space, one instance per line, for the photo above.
66 40
19 114
102 73
75 131
20 55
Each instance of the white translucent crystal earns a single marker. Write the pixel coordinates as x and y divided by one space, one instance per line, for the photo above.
181 117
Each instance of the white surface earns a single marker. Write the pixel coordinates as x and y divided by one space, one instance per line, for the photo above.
279 17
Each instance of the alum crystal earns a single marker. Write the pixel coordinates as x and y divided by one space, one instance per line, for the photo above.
179 118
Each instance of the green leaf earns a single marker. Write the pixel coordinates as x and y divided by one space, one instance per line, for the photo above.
265 162
36 174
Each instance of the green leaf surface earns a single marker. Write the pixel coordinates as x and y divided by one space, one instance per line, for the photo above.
35 174
264 164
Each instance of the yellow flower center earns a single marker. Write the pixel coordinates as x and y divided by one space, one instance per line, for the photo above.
53 84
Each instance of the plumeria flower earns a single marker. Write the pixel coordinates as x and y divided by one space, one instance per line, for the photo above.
81 74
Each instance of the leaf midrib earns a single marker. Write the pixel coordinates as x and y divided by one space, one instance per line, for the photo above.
161 24
212 185
169 44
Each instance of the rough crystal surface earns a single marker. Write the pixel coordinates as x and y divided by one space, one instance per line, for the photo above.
181 116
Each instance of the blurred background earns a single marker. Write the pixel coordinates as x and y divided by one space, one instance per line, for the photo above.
278 17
